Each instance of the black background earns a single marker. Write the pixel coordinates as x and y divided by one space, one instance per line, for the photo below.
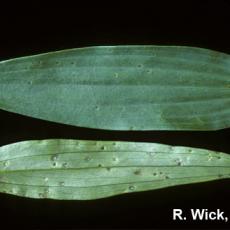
36 28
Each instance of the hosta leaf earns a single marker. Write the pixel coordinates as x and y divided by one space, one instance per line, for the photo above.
121 87
71 169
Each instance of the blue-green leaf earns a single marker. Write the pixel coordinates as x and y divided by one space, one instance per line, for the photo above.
121 87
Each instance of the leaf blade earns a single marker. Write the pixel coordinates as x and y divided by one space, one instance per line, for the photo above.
71 169
121 87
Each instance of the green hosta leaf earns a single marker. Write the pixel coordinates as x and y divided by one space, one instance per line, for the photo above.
71 169
121 87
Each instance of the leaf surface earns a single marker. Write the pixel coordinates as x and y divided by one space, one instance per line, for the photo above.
121 87
84 170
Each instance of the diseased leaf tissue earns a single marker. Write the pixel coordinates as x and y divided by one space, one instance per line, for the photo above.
84 170
121 87
115 88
